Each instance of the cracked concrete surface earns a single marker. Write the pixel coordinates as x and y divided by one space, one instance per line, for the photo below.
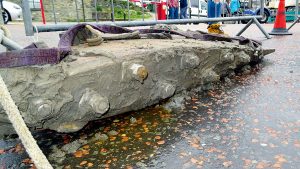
116 77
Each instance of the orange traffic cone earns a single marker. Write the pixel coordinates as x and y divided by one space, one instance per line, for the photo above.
280 21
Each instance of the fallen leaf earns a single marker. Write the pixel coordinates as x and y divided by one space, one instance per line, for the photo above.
277 165
112 138
161 142
261 165
183 154
124 139
157 137
18 148
83 163
220 156
224 120
148 143
137 135
129 167
78 154
86 147
247 162
194 160
296 144
67 167
281 160
85 152
90 165
27 161
227 164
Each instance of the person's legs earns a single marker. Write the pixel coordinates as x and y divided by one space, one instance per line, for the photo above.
183 13
210 10
176 13
171 13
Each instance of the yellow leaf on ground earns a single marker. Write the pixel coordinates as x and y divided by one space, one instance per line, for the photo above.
157 137
83 163
86 147
220 156
90 165
78 154
124 139
261 165
277 165
161 142
194 160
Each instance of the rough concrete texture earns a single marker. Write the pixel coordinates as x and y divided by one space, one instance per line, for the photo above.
117 77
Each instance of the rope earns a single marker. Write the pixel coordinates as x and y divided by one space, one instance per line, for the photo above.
20 127
35 38
6 31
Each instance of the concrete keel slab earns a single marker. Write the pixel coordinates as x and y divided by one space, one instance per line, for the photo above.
118 76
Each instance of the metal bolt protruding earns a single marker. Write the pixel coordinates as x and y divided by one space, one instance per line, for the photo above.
139 72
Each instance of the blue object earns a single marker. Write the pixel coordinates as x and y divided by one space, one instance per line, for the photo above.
173 13
234 6
183 12
183 3
214 10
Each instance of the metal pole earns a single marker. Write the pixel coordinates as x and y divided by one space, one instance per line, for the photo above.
27 18
1 9
243 13
262 2
95 3
8 43
244 28
83 10
297 10
112 11
155 10
63 27
298 19
77 15
261 28
198 9
143 10
54 12
43 11
128 9
167 8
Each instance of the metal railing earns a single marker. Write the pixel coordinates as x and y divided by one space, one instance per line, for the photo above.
59 27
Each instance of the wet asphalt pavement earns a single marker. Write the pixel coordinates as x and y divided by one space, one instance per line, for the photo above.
251 121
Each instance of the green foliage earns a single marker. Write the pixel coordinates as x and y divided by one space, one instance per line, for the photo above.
120 9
